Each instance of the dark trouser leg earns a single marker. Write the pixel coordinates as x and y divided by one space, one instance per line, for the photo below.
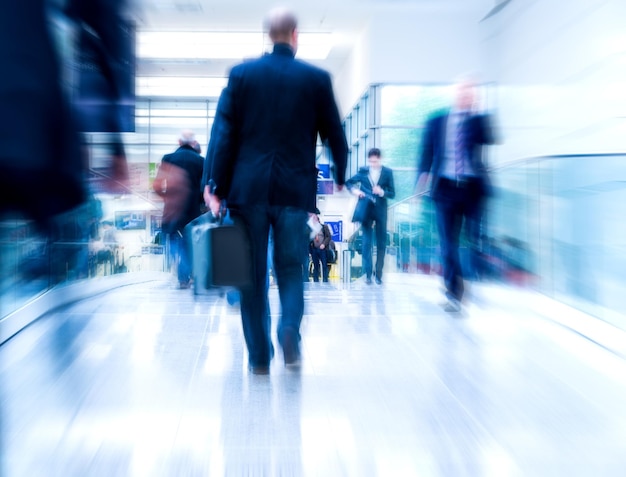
449 220
324 260
315 257
366 249
473 223
184 264
381 246
290 238
255 315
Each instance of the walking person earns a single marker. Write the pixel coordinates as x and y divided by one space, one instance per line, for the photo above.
261 159
178 183
373 185
451 161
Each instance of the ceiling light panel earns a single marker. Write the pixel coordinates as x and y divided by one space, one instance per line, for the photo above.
177 86
223 45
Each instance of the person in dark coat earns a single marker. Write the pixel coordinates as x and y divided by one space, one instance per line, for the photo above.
262 160
178 183
373 185
451 160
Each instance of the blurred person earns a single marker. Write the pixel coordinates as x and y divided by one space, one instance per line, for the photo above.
109 234
374 183
451 160
42 161
318 248
306 264
178 183
261 159
405 252
423 249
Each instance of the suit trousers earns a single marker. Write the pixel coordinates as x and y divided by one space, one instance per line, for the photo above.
380 228
290 238
457 204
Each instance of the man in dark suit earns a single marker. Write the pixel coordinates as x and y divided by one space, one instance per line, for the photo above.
261 159
451 158
373 184
42 165
178 183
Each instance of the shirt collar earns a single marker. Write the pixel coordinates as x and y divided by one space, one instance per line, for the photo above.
283 49
464 112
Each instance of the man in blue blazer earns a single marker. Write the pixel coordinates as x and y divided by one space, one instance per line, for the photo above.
374 185
261 159
451 159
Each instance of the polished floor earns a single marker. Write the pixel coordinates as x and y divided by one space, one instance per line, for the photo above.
146 380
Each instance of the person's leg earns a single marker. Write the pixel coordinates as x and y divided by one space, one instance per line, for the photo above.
306 263
176 244
381 246
315 257
449 224
255 317
290 237
366 250
323 256
172 249
184 263
474 208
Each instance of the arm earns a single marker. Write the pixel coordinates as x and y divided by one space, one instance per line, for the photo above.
331 131
354 185
160 181
353 182
387 190
425 159
485 131
222 150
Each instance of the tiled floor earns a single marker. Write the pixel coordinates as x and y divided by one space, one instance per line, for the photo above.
145 380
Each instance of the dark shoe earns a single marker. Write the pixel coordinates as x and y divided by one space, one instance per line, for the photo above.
291 349
368 281
184 285
378 281
453 306
259 370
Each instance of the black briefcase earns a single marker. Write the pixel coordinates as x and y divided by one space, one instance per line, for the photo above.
221 252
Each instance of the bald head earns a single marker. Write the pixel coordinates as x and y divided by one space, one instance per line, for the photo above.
465 91
187 137
281 26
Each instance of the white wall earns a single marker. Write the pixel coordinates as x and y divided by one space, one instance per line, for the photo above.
412 47
351 83
561 70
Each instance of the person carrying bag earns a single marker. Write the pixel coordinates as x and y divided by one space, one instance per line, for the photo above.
373 185
319 250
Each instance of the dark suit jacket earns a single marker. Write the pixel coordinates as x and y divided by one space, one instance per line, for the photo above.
263 142
385 181
432 159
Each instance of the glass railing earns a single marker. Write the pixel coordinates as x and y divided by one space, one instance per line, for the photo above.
81 244
554 224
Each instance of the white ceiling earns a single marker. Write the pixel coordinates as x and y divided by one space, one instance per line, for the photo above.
344 18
